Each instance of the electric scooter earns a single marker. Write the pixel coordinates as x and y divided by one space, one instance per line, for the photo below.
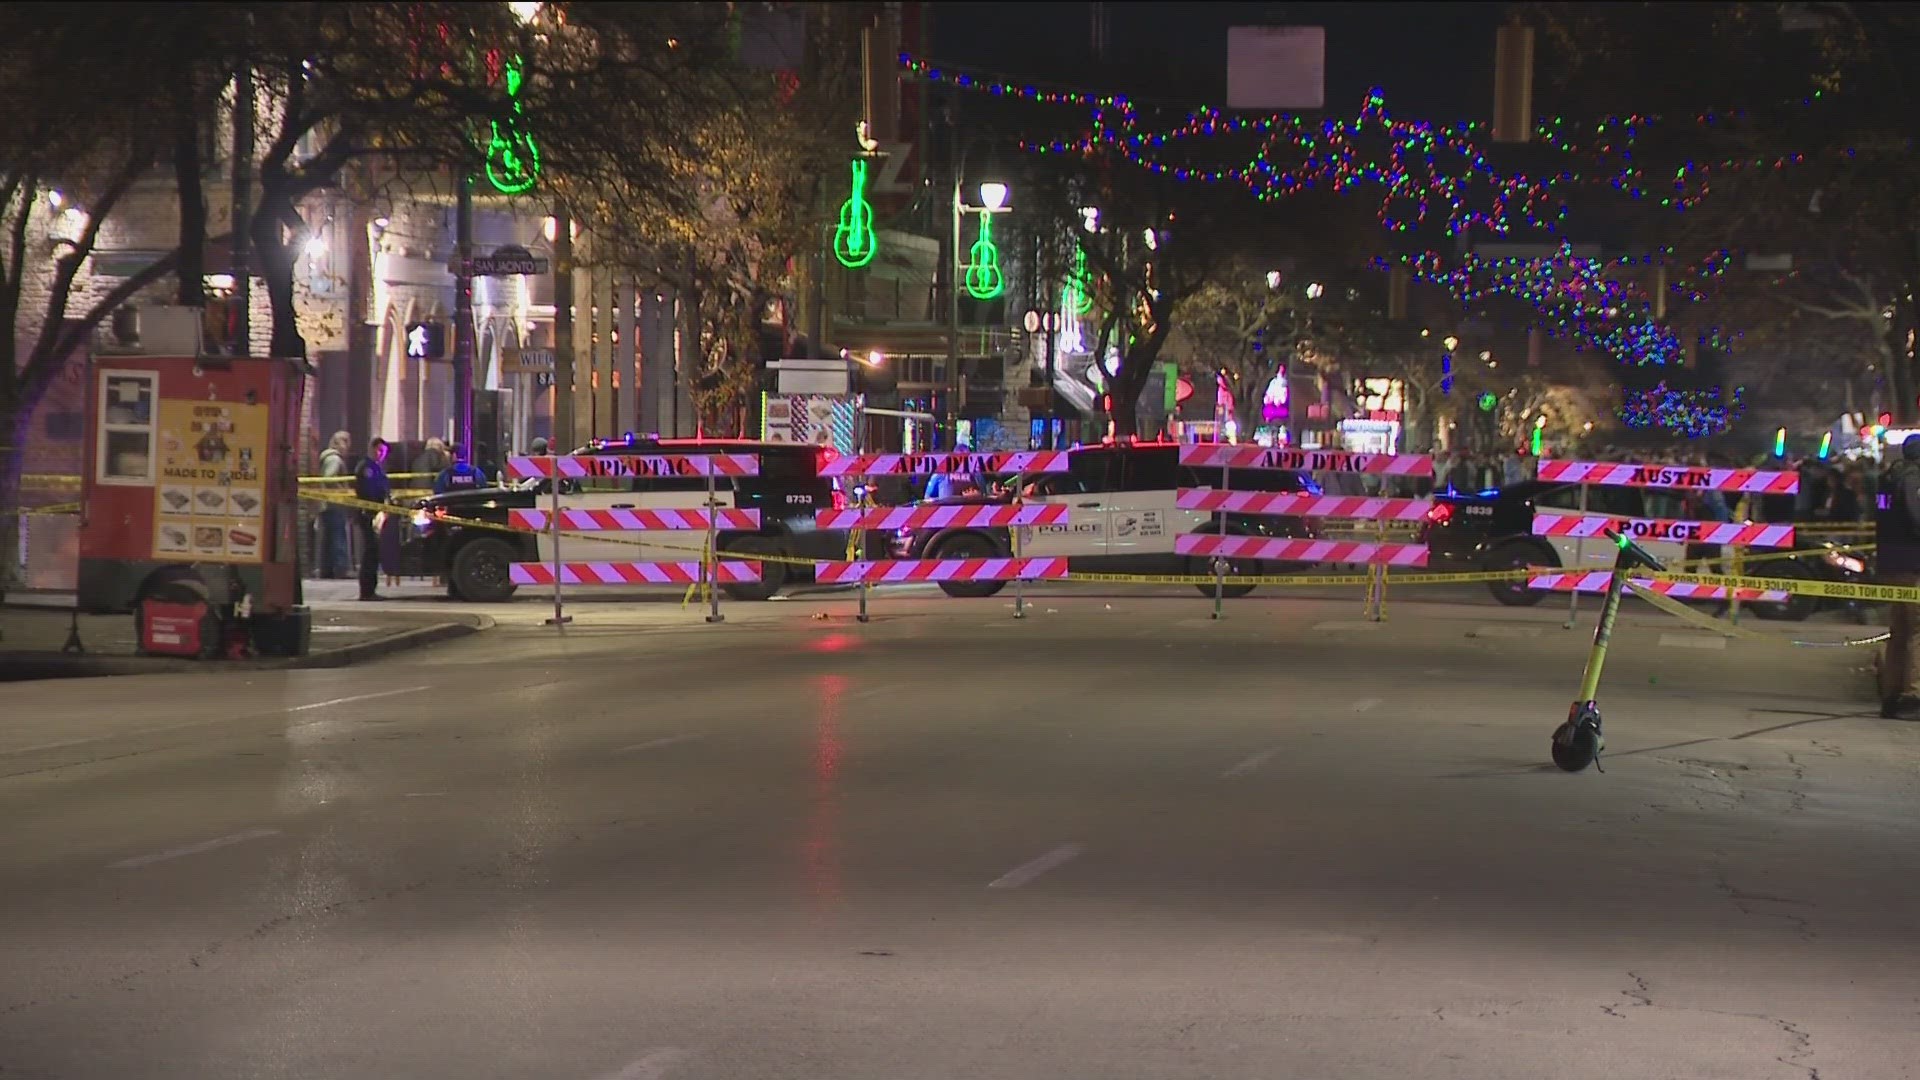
1577 742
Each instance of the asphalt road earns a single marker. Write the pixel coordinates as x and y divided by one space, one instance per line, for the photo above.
1115 839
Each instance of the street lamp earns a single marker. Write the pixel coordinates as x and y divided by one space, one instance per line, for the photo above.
980 271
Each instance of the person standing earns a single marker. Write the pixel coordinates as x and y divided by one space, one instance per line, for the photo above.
370 484
334 560
431 459
1896 532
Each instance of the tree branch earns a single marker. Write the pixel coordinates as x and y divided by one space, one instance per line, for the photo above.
69 264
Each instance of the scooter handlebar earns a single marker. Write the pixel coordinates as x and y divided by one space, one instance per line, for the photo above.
1632 552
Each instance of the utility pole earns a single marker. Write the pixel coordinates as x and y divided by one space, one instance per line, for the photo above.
563 384
463 322
240 246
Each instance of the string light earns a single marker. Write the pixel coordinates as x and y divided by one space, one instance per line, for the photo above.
1692 413
1430 175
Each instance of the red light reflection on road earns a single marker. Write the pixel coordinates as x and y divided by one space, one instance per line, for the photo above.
820 851
833 643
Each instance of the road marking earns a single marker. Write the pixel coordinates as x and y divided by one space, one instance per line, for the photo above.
1505 632
655 744
1349 624
1692 641
1365 703
1026 872
193 849
1250 764
652 1065
329 703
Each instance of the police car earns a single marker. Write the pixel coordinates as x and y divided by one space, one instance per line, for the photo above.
787 491
1122 518
1493 530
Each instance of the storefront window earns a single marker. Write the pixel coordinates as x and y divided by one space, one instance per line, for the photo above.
125 451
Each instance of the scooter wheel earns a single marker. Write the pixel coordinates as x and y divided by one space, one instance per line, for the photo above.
1574 753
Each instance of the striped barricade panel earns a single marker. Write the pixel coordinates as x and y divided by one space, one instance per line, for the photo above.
1690 477
896 571
1275 503
942 517
1595 581
1233 456
1018 461
619 465
631 573
586 520
1207 545
1691 532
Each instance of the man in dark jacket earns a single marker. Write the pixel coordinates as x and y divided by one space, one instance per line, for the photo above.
1896 534
370 484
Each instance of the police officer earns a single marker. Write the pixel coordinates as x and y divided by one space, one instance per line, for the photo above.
1896 534
370 484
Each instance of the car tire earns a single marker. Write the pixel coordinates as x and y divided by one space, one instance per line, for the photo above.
773 575
480 573
968 546
1517 555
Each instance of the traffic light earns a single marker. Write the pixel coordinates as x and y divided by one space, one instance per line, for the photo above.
427 341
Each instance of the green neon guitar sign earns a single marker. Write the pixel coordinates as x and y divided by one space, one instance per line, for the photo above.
1079 296
513 158
854 243
984 279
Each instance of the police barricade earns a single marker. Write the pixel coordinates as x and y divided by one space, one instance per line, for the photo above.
1736 536
1596 581
1012 517
1376 555
706 573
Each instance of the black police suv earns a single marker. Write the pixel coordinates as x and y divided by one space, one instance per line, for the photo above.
787 491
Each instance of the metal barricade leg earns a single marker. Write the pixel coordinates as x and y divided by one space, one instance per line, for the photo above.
856 545
1219 561
711 563
1736 568
560 617
1019 591
1579 566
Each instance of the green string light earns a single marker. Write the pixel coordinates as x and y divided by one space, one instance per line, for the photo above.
513 158
854 243
984 279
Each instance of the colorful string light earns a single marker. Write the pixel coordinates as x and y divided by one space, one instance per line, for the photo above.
1427 174
1692 413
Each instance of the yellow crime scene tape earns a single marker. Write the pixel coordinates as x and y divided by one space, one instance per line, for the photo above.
1464 577
1839 590
1833 589
1726 629
352 503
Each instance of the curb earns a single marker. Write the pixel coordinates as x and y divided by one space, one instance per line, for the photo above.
22 667
393 643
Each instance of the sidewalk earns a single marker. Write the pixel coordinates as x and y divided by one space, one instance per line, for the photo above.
33 628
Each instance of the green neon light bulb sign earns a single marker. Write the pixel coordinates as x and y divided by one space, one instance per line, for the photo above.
854 243
984 279
513 157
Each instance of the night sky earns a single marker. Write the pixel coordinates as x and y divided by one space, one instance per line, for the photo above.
1434 60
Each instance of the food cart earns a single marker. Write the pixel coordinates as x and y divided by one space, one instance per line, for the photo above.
189 503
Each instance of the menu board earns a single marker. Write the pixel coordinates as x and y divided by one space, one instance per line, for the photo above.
210 495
